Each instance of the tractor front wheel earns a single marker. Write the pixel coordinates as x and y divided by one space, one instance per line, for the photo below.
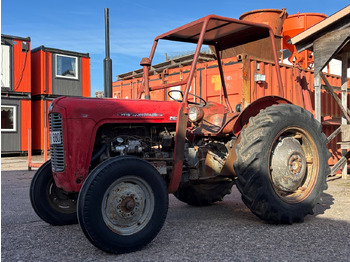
122 204
52 204
282 164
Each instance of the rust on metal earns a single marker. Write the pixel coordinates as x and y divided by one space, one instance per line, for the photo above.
228 170
222 78
277 65
254 108
215 31
273 17
146 63
213 164
246 97
300 172
160 166
235 70
181 127
216 124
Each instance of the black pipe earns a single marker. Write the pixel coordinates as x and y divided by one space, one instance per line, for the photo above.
99 153
107 62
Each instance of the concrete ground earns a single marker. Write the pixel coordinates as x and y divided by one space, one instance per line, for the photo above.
19 162
226 231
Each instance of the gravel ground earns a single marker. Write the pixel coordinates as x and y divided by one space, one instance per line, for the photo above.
226 231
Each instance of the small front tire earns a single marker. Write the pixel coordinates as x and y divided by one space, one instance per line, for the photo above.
50 203
122 205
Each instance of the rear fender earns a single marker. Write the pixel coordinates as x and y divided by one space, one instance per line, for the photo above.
254 108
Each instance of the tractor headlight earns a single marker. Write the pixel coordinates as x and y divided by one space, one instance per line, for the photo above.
195 114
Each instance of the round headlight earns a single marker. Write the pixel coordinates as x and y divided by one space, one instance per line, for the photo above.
195 114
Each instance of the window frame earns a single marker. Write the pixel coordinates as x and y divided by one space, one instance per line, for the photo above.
14 129
76 67
8 45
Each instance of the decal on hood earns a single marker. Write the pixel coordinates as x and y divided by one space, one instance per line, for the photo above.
139 114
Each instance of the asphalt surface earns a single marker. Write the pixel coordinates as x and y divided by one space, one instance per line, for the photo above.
226 231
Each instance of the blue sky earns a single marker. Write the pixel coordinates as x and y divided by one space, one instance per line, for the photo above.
78 25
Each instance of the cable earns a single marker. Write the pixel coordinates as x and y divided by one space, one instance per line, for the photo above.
21 75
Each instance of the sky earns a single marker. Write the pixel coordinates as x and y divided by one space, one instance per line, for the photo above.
78 25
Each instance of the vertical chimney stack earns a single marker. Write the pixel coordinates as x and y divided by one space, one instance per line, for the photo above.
107 62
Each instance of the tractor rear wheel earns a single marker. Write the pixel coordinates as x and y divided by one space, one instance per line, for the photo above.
122 204
203 194
282 164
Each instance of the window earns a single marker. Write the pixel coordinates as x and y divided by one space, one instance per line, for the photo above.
5 66
8 118
66 66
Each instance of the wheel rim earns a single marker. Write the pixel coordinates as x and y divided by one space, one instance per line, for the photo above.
61 200
128 205
293 164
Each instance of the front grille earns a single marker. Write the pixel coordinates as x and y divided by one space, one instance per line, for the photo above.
57 150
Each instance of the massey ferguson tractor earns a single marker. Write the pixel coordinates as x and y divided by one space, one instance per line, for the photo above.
114 161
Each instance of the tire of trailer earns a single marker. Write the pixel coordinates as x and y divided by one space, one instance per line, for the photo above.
122 205
282 164
51 204
203 194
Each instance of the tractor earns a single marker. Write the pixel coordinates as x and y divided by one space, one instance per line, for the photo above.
115 161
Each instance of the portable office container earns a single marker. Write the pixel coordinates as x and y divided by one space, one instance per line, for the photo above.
15 93
15 65
60 72
15 122
247 79
40 109
55 73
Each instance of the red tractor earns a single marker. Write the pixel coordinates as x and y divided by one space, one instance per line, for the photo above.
114 162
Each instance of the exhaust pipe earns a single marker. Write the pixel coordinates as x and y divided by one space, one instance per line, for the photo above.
107 62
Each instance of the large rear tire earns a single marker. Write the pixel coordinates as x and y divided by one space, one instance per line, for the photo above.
122 204
282 164
50 203
203 194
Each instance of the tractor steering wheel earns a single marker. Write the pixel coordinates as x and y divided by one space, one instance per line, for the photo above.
201 103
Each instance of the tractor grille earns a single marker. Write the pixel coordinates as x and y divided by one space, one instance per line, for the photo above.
57 150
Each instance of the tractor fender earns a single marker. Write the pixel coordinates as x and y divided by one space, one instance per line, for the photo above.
254 108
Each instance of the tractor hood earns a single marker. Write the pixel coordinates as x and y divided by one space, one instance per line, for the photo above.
116 110
80 118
